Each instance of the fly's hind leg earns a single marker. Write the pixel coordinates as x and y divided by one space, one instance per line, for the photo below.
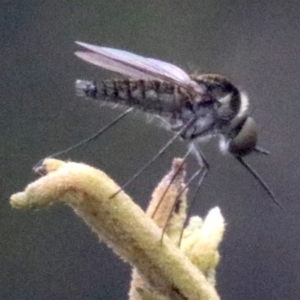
201 173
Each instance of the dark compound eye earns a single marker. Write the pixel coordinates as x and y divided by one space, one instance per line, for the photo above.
245 138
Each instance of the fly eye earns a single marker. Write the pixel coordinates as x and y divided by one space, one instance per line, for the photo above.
245 139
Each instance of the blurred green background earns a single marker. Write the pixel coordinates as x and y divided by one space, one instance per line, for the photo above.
51 254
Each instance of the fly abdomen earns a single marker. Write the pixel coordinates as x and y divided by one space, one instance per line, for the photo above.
152 96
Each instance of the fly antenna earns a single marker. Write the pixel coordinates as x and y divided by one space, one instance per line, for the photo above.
87 140
258 178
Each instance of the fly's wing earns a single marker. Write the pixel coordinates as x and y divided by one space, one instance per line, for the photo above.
136 66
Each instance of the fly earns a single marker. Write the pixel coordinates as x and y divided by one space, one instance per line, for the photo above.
195 106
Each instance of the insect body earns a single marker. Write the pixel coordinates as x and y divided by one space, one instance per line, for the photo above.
194 106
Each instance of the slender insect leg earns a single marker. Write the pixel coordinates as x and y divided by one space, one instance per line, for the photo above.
203 165
170 183
203 168
87 140
191 179
203 171
155 157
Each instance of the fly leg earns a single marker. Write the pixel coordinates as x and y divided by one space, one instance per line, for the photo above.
168 187
201 172
90 138
155 157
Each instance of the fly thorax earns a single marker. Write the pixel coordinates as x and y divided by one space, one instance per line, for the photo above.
226 95
201 116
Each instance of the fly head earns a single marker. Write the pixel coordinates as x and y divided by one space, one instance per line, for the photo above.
241 137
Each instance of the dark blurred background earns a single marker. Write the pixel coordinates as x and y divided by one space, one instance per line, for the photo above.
51 254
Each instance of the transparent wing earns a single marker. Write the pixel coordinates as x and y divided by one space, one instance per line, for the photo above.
135 66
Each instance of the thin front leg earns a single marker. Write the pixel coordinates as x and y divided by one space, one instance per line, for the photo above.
202 171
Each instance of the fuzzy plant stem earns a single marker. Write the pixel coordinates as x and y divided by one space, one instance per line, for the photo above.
121 224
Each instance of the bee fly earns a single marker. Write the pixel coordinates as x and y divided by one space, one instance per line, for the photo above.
196 107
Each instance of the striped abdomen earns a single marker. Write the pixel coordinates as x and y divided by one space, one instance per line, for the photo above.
152 96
